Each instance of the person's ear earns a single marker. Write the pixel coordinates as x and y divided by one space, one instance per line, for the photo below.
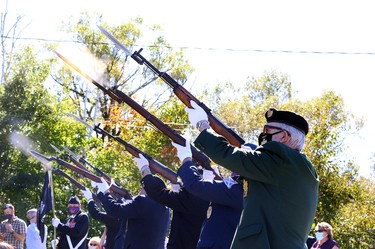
285 138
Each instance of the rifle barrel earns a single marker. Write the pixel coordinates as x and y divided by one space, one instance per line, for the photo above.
75 182
120 97
123 192
184 95
154 165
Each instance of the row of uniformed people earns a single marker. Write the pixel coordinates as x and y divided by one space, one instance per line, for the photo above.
278 213
205 212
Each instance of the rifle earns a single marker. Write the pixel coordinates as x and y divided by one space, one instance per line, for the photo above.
71 158
184 95
126 194
74 158
154 165
120 97
75 182
85 162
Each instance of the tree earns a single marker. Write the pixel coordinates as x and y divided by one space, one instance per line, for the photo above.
28 109
354 223
121 72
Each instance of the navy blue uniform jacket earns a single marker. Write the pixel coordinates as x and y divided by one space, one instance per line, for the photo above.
226 206
78 228
112 224
189 212
147 221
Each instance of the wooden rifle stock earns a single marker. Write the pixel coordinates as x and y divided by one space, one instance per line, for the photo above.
154 165
69 156
120 97
73 157
185 96
80 165
125 193
75 182
198 157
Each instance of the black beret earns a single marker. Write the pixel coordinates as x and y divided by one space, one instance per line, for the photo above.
74 200
289 118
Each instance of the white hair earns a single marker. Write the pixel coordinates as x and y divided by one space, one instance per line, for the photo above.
297 137
32 212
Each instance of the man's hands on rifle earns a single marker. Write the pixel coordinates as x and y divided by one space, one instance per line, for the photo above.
102 186
142 163
197 116
209 175
87 194
183 152
175 187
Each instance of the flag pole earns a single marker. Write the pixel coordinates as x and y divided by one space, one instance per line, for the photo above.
53 199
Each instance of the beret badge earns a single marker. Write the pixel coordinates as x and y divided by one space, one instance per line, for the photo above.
269 113
288 118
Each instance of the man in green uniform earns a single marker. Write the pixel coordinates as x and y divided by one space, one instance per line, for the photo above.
281 185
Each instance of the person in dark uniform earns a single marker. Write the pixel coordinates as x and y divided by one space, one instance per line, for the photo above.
225 197
189 211
112 224
147 222
73 233
281 184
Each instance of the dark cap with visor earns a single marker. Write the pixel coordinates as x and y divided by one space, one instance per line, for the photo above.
288 118
74 200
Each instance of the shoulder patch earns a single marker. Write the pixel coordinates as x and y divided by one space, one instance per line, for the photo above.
229 182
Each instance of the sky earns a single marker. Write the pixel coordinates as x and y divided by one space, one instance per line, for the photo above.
321 45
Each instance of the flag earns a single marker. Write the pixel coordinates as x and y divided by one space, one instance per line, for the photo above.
45 204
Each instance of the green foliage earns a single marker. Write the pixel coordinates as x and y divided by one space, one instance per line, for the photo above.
30 111
354 226
121 71
329 122
28 108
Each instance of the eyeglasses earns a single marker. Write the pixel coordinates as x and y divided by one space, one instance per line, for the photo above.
7 206
93 244
31 218
277 128
320 230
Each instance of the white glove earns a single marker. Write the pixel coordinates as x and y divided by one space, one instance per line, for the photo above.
87 194
142 162
196 113
215 169
54 243
93 184
102 186
183 151
55 222
208 175
175 187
